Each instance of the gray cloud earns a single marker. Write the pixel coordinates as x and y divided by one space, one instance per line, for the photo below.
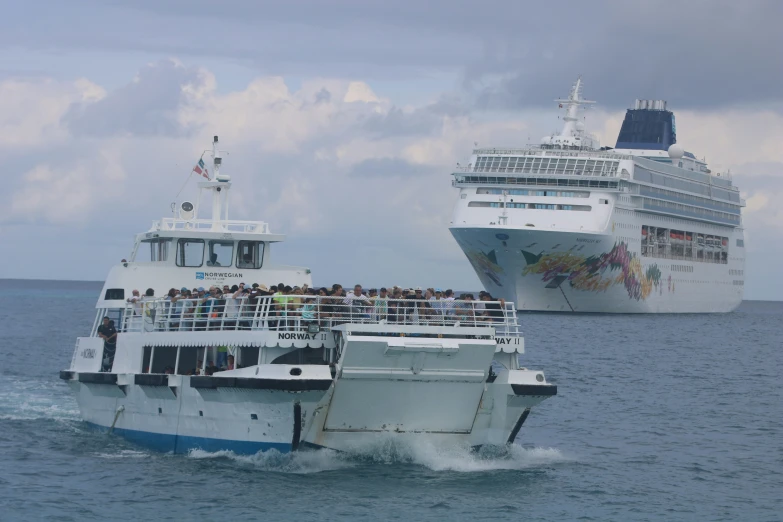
754 177
421 121
387 168
146 106
323 96
700 53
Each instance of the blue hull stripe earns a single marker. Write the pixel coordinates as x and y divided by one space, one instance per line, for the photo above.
183 444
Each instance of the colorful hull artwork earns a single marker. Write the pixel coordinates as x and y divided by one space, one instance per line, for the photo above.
486 264
590 273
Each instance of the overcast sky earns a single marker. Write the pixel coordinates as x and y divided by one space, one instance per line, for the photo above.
345 118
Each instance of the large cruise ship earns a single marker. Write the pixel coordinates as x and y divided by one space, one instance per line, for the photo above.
569 226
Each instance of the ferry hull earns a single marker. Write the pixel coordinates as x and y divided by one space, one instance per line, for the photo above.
222 419
384 385
558 271
237 420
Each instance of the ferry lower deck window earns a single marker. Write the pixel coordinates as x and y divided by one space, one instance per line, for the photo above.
221 253
190 252
250 254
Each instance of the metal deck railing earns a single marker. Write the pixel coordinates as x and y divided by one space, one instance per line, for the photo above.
311 314
257 227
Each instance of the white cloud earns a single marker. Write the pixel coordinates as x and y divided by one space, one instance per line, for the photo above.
56 193
31 109
360 92
296 157
756 203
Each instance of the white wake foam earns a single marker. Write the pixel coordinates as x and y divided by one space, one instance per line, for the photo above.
124 454
419 450
32 400
272 460
394 451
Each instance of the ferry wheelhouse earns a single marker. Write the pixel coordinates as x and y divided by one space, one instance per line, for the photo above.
571 226
296 370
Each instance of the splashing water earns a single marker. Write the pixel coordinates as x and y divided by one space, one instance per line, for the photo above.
422 451
34 400
300 462
394 451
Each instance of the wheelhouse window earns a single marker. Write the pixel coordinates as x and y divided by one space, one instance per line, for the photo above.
250 254
221 253
158 249
190 252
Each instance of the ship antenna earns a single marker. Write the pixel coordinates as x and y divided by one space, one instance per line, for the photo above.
216 159
572 104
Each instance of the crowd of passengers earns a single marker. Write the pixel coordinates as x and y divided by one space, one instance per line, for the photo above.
230 306
236 306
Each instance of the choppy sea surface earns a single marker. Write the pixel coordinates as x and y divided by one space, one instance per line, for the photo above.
660 417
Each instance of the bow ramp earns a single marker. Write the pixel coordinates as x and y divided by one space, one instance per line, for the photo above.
404 379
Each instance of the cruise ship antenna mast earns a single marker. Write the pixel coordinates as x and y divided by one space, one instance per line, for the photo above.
571 105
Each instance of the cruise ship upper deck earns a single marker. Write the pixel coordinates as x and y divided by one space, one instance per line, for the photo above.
657 174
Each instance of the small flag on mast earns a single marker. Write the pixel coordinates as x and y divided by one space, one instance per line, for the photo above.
200 169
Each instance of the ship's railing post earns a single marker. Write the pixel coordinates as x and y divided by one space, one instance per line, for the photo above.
259 314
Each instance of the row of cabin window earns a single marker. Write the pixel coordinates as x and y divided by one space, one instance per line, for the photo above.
523 192
687 198
193 253
590 183
537 206
642 174
690 211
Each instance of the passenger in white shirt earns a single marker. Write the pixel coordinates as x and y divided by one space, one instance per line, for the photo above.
232 305
447 304
356 301
135 301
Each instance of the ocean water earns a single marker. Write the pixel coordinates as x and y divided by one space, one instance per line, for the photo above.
657 418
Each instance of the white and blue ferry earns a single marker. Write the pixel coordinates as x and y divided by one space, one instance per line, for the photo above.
296 370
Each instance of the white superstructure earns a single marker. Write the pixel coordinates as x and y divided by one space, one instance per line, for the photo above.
296 370
568 226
